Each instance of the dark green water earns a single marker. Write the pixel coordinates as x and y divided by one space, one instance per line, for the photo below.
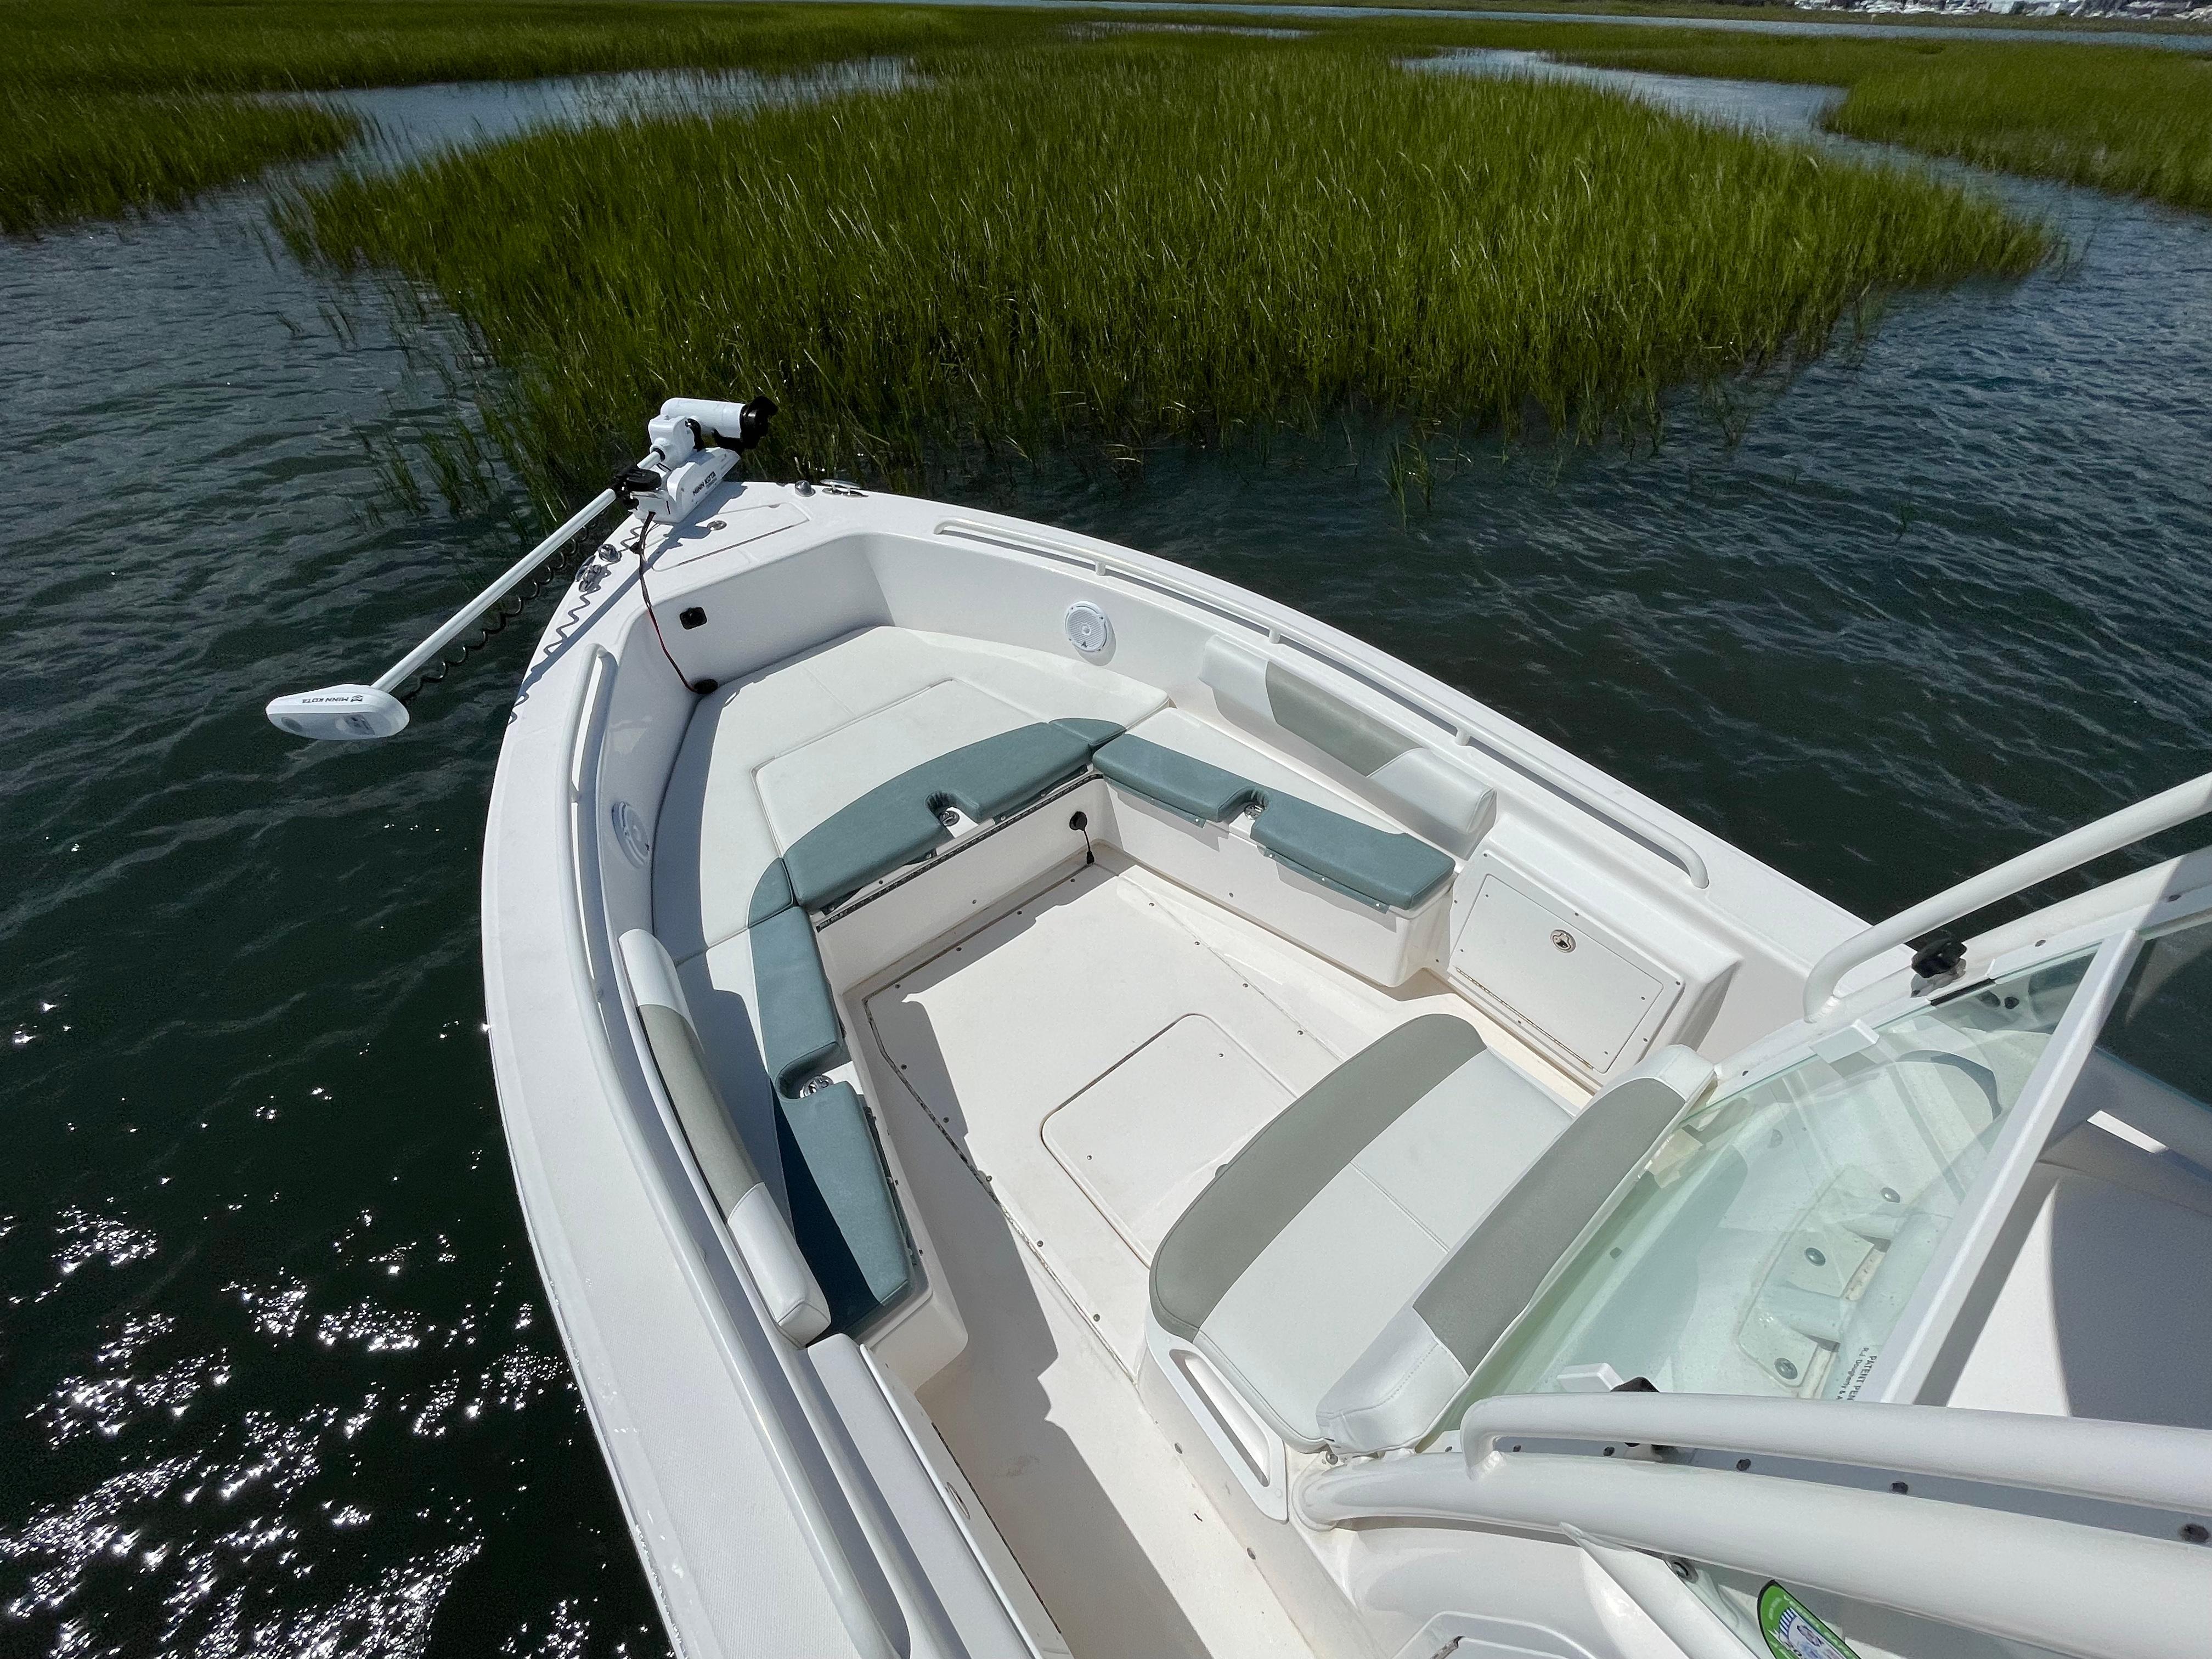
276 1372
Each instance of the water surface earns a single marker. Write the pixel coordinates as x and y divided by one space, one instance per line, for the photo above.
276 1372
407 122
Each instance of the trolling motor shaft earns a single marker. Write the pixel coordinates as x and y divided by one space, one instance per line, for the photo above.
696 442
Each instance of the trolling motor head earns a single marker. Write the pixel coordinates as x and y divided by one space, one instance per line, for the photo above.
696 442
343 714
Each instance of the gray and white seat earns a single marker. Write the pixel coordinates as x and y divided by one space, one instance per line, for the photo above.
1347 1271
786 1283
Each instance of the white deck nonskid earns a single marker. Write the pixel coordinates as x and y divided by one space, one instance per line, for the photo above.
1124 1549
1039 1009
1100 1050
1060 1083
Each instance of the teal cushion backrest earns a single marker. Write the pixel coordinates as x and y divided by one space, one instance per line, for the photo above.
847 1221
1380 867
896 823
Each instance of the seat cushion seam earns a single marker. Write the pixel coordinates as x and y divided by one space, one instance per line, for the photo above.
1393 1200
870 713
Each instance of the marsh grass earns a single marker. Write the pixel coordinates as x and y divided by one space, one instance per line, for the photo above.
1737 11
2124 118
294 45
2135 122
1100 248
69 155
111 104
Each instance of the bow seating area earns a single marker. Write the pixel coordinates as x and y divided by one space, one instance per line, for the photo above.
803 791
797 786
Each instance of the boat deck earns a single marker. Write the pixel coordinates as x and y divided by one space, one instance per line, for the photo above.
1059 1084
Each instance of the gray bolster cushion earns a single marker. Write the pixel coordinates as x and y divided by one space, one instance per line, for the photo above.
842 1208
800 1036
699 1106
1415 1368
1261 1191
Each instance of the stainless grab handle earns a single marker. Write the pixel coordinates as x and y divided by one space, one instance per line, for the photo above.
2109 834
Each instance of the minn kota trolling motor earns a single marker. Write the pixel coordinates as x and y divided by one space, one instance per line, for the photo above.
695 443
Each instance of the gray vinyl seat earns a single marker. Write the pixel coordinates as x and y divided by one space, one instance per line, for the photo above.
1348 1268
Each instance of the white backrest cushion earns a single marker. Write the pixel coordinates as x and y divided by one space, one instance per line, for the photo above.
1413 1370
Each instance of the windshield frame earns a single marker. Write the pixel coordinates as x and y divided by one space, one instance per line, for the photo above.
1929 1342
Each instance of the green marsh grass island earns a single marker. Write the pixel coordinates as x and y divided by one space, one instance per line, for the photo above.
67 155
2123 118
111 106
1023 251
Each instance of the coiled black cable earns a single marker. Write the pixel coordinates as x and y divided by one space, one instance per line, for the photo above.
561 564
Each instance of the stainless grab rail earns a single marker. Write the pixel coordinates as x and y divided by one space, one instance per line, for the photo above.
2140 1463
2087 1590
837 1536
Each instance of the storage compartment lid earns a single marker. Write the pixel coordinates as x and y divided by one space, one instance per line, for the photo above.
1550 973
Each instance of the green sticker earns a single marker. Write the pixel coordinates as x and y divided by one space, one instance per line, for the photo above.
1793 1632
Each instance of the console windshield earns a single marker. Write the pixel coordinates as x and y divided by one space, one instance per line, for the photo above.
1773 1237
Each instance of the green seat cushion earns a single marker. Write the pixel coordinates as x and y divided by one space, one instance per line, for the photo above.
771 893
896 823
800 1036
1379 866
843 1212
1376 866
1202 793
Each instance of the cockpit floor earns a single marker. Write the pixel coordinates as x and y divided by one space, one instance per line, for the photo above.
1096 1058
1059 1084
